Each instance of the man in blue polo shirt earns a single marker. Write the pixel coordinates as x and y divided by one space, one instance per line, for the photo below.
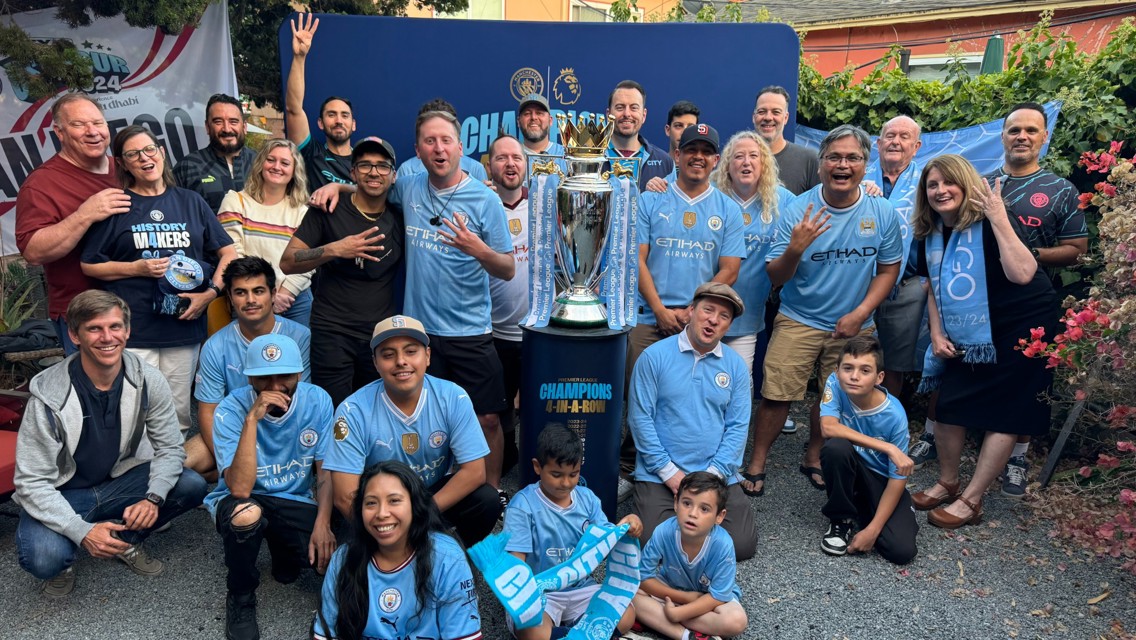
838 253
689 234
456 237
250 283
269 440
627 107
689 409
426 422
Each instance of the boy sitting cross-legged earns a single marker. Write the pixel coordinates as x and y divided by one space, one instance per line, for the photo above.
688 568
546 521
865 467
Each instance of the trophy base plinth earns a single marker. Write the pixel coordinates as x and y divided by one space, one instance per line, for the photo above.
579 310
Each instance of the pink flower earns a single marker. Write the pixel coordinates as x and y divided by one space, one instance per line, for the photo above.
1127 497
1075 333
1084 200
1085 472
1105 461
1127 446
1080 394
1109 190
1114 146
1037 333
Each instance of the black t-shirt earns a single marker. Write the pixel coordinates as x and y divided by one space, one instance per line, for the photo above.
97 451
323 166
351 296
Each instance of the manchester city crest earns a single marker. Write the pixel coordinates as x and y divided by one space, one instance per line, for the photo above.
390 600
437 439
270 352
157 216
867 227
722 380
526 80
309 437
715 223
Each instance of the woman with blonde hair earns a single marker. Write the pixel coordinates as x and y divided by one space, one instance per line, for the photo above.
986 292
263 216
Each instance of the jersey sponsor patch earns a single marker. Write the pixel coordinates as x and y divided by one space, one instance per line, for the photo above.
437 439
341 430
689 219
309 437
746 218
722 380
515 227
827 393
390 600
410 443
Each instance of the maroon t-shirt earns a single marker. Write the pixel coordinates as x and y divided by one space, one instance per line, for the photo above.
55 190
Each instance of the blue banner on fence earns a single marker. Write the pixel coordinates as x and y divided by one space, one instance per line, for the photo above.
980 144
388 67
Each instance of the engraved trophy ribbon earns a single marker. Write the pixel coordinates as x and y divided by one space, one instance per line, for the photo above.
582 234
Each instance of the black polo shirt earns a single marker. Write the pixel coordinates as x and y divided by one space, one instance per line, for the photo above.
208 174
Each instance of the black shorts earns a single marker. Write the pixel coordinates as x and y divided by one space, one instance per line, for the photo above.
471 363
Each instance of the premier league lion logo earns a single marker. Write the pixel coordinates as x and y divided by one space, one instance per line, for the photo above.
566 87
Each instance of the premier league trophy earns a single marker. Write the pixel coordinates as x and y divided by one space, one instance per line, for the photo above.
583 273
584 207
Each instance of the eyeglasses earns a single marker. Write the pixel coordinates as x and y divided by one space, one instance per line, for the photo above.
381 168
834 159
149 151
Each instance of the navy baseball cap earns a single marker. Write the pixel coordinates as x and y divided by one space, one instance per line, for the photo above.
700 131
372 144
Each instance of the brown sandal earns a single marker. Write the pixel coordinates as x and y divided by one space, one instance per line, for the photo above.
924 502
940 518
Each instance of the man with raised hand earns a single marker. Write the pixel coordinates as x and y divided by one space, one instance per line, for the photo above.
330 162
837 252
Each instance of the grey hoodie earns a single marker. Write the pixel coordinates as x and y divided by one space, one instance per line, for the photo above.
53 423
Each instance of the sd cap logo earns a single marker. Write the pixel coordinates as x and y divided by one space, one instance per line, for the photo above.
703 129
398 322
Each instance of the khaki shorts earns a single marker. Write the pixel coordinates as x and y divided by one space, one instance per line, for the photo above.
795 350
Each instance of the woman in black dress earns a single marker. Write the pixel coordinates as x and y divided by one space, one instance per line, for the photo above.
966 237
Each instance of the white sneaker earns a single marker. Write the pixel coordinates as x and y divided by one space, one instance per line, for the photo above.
790 426
625 489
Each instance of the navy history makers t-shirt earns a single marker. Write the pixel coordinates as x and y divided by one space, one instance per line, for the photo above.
178 225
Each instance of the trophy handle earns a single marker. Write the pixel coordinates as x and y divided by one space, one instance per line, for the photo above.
546 169
618 170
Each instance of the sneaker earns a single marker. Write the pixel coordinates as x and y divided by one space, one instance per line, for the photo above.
626 487
140 562
697 635
240 617
503 498
835 541
789 426
1014 477
164 528
61 584
923 450
633 635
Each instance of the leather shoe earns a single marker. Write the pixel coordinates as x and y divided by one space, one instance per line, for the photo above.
924 502
940 518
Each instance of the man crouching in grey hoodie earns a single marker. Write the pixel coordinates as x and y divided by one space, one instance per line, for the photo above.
99 454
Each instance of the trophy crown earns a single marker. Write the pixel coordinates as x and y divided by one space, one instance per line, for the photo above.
587 137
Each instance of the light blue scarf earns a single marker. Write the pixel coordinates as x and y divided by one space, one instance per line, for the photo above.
621 277
522 594
960 293
542 236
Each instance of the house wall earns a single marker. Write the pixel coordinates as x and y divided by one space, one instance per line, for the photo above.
835 49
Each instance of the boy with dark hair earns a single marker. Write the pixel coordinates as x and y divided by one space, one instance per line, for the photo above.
689 590
865 467
546 520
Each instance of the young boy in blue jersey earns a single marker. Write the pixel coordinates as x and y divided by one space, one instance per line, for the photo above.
269 440
864 459
546 520
688 568
250 284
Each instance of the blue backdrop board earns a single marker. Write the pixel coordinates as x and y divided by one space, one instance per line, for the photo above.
388 67
575 377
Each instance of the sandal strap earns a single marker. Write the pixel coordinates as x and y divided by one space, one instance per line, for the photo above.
973 507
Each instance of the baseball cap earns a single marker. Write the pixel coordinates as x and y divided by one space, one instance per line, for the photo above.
399 326
532 98
273 354
700 131
372 144
723 292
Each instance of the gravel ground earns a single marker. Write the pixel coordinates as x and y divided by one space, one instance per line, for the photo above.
1002 579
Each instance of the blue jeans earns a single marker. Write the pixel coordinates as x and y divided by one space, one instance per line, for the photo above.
301 309
45 553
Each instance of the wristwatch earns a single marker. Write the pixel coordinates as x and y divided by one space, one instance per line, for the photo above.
156 499
1036 253
214 288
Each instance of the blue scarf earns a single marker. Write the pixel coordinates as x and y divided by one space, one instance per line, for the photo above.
620 281
902 198
960 293
522 594
542 235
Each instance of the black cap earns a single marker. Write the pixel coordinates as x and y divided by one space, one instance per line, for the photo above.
697 132
372 144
